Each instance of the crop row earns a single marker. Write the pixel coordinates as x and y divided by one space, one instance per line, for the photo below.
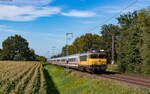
6 66
28 87
44 87
7 71
24 84
17 71
23 80
36 84
19 78
4 63
11 85
10 70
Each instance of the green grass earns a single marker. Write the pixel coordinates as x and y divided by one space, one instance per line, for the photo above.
113 68
69 82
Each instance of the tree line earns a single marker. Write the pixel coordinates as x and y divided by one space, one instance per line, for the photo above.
131 39
16 48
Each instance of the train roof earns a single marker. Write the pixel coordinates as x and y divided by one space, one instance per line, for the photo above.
76 55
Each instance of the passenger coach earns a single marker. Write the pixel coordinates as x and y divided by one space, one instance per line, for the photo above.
89 61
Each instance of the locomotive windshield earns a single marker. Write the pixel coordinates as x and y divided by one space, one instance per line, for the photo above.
97 56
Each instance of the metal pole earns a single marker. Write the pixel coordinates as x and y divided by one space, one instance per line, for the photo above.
53 51
67 39
112 62
66 44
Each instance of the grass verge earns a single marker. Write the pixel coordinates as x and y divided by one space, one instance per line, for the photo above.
62 82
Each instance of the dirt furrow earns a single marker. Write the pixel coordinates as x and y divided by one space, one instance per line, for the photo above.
28 87
43 82
11 85
16 72
36 83
4 85
22 86
21 81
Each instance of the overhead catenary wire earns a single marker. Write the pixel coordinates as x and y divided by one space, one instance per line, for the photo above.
114 16
107 20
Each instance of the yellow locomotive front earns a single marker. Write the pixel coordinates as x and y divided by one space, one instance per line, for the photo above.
97 62
93 62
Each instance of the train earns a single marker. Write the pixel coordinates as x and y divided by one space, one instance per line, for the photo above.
91 61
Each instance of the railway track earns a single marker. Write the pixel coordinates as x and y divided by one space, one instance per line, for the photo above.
139 81
142 82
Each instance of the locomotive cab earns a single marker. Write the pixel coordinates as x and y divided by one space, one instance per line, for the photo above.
97 62
93 62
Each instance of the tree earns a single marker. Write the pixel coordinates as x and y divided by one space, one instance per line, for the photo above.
107 32
87 42
71 50
15 48
55 56
144 23
32 56
43 59
0 54
63 52
83 44
129 50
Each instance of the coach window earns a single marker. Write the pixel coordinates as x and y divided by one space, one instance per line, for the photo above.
73 59
83 58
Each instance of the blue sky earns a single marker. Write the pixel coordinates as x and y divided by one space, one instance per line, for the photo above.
44 23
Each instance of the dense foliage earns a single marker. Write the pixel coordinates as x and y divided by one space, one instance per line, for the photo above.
144 24
107 32
16 48
129 45
131 42
83 43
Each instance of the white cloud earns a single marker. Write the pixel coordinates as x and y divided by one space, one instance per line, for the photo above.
33 1
26 2
51 35
25 13
75 13
87 22
119 8
8 29
4 28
